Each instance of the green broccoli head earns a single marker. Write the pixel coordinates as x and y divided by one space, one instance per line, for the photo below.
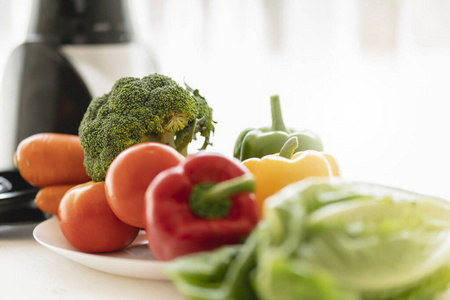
153 108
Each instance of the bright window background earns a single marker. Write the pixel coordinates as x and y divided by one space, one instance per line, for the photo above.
371 77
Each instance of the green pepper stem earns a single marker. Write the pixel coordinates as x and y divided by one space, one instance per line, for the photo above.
212 200
289 147
277 117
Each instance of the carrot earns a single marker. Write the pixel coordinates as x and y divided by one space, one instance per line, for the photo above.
49 197
45 159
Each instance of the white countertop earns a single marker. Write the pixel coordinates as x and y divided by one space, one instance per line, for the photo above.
30 271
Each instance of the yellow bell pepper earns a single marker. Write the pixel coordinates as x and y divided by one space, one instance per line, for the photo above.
274 172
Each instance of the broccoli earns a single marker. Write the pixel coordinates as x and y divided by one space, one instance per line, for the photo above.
152 108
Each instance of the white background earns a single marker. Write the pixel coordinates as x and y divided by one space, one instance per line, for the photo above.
369 76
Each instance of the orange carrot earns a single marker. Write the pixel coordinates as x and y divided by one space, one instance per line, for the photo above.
49 197
45 159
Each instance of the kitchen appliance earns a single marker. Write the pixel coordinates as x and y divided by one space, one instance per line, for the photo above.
74 51
16 205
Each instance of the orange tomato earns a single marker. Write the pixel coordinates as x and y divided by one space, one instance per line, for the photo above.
89 224
130 174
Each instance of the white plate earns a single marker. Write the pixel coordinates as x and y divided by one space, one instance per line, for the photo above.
135 261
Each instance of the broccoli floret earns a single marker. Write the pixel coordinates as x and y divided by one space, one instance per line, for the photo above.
205 122
152 108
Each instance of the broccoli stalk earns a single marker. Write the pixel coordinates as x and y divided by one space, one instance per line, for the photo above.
154 108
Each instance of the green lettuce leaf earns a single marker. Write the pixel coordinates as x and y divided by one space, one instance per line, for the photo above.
333 240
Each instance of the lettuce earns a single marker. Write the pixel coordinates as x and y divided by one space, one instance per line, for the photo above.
333 240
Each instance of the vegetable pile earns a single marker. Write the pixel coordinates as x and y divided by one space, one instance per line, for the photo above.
274 221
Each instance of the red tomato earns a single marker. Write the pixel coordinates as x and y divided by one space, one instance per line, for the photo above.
89 224
130 174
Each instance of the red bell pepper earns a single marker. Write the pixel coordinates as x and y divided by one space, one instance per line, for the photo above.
205 202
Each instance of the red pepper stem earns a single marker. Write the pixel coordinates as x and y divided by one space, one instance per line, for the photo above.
241 184
277 117
211 200
289 147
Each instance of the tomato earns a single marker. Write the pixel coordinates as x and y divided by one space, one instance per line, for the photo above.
89 224
130 174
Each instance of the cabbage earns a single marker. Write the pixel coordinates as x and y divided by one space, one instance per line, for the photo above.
331 240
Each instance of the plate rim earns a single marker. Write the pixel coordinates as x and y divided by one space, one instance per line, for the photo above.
80 257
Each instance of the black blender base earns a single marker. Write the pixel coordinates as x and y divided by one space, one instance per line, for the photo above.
17 204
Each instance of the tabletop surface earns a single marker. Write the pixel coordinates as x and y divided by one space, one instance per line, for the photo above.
31 271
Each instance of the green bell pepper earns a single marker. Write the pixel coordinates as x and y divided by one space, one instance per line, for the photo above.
269 140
